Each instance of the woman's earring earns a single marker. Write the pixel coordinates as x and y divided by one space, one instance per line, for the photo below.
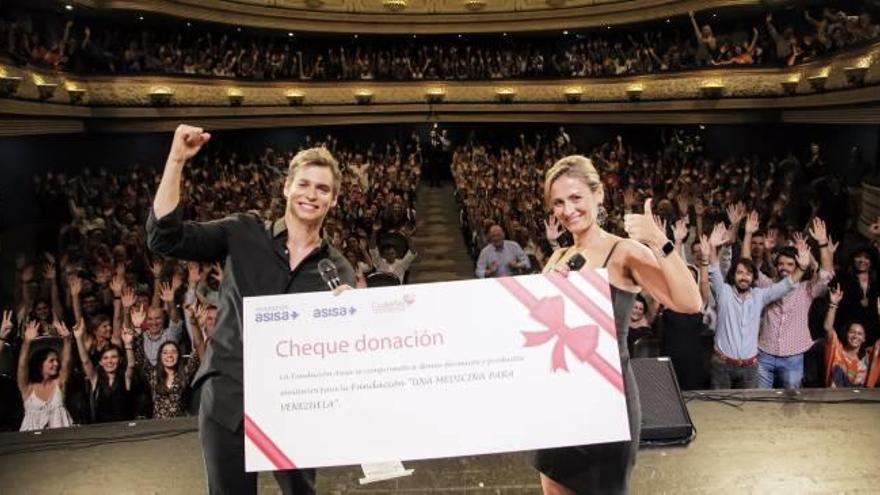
601 215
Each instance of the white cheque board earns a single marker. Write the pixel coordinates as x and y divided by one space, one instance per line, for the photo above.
431 370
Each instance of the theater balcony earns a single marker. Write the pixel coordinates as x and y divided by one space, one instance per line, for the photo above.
823 91
421 16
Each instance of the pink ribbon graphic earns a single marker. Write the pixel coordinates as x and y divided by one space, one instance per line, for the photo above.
587 306
266 445
582 340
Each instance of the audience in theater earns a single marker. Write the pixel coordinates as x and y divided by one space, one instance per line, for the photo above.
81 45
142 323
695 191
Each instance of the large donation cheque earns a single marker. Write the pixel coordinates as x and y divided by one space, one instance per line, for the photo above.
432 370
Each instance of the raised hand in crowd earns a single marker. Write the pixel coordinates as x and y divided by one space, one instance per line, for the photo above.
629 199
156 268
61 329
117 284
74 284
128 298
706 248
6 326
127 337
193 274
27 273
818 231
166 292
735 214
217 273
683 202
718 238
753 223
660 222
49 272
31 330
79 329
799 241
771 239
680 232
138 316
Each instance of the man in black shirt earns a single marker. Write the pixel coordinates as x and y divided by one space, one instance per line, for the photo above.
261 259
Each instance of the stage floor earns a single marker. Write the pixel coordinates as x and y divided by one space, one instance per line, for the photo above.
817 442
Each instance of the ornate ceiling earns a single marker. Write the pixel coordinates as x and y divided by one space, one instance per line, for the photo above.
420 16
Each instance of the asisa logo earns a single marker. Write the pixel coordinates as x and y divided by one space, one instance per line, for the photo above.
267 316
334 312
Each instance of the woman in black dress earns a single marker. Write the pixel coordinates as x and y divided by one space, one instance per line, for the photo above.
109 384
647 260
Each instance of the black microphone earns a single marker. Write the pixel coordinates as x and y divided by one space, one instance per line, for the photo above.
576 262
329 273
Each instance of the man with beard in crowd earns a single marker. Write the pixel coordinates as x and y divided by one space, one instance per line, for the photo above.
739 303
785 329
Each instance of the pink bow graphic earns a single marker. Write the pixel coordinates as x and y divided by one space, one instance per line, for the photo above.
582 340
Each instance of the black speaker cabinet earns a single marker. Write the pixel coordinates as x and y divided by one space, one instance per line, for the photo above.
665 419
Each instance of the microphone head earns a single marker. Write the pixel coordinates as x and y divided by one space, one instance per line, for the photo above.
328 271
576 262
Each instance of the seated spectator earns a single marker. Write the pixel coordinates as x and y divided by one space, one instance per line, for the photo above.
849 363
42 378
500 258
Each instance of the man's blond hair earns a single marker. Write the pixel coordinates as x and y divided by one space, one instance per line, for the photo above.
316 157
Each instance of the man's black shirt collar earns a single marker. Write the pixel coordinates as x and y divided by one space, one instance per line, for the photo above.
278 230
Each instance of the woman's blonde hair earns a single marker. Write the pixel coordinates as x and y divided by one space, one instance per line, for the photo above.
577 166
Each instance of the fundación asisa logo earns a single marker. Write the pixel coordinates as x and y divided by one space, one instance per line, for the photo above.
396 305
274 313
